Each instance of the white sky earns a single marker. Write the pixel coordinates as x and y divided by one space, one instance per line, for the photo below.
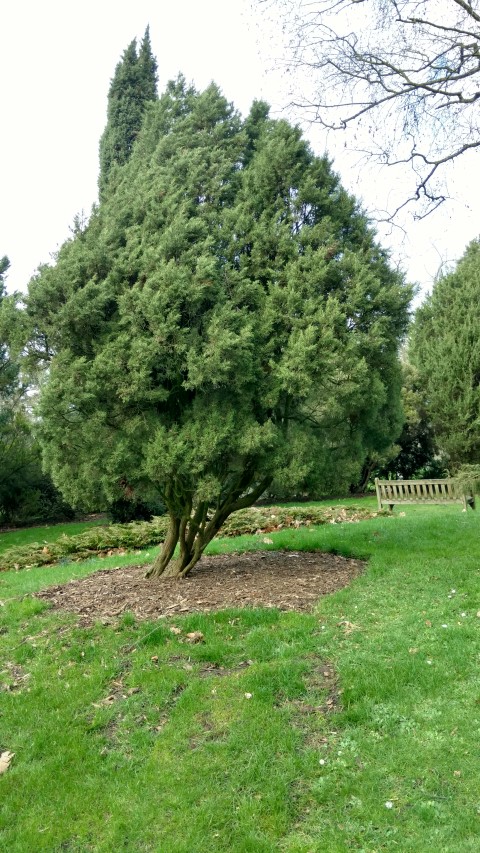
56 61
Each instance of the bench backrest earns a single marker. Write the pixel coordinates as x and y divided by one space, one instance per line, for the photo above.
418 491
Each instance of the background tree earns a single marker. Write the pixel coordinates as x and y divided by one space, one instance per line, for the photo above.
25 491
226 318
133 86
8 370
405 74
417 454
445 348
14 460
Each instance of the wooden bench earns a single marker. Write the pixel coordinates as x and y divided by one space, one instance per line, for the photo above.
393 492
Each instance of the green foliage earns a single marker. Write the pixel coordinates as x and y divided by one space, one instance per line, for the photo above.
133 86
445 349
92 542
19 461
27 494
418 456
21 477
25 491
8 370
225 319
99 540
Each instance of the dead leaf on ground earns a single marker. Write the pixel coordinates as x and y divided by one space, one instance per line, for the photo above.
194 637
5 760
283 579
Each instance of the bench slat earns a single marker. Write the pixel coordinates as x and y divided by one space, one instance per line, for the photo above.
434 491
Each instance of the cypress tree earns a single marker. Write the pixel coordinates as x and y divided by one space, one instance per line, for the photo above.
133 86
147 65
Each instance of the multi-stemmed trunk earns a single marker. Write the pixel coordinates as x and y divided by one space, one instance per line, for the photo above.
192 530
192 536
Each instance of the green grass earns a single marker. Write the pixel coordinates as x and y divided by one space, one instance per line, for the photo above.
45 533
125 739
51 532
100 540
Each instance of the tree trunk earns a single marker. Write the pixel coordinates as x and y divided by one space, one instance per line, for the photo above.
192 533
192 540
159 566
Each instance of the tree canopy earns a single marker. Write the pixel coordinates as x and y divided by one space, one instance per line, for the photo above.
24 489
225 318
133 86
404 74
445 348
13 455
417 455
8 369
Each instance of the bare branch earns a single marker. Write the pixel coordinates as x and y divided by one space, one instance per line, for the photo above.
391 70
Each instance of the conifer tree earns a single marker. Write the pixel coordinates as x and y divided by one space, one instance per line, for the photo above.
445 347
226 318
133 86
148 68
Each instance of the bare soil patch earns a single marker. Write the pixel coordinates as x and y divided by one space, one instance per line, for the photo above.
289 580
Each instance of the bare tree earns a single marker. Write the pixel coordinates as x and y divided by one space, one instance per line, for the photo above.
403 74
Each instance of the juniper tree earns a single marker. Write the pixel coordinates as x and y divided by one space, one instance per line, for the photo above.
133 86
226 318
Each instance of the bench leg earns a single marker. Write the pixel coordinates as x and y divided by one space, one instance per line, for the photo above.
391 507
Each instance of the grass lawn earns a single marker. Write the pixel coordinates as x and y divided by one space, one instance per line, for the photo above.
44 534
352 728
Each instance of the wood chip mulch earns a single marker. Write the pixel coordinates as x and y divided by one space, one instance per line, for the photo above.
289 580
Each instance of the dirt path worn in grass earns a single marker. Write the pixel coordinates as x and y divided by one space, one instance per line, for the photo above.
289 580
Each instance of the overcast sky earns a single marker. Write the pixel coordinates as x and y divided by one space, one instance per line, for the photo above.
56 61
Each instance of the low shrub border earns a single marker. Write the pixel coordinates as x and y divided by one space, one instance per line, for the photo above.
101 541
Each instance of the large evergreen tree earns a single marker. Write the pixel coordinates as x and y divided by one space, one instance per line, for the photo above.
225 319
445 348
133 86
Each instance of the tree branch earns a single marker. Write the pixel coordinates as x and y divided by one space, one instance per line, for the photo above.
411 66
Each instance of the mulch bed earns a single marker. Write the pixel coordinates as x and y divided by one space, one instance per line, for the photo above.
288 580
